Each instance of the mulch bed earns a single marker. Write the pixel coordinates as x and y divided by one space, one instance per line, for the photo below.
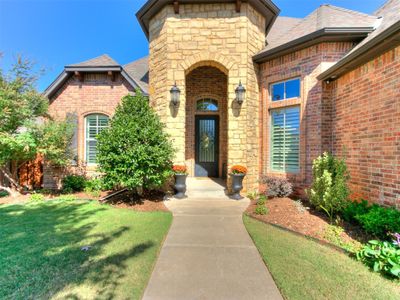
149 201
286 213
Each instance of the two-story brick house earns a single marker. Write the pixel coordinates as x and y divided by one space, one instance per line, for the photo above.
328 82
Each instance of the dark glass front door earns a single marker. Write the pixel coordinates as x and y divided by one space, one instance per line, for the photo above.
207 146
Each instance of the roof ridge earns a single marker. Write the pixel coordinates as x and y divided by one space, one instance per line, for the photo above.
382 7
347 10
105 55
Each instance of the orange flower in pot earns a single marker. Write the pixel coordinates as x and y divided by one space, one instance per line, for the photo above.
237 174
180 172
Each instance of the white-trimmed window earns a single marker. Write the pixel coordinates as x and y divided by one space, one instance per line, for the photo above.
94 124
285 139
285 89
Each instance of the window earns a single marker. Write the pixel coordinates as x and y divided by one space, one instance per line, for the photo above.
285 139
94 125
207 105
285 90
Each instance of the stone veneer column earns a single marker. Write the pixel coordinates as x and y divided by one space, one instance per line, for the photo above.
214 35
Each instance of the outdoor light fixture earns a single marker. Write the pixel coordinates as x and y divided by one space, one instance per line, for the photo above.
240 91
175 94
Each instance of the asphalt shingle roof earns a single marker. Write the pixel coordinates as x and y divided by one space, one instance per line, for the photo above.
326 16
138 70
100 61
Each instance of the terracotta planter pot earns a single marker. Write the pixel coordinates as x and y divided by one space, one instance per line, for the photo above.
180 186
237 185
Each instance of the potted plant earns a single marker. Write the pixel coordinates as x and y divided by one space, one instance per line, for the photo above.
237 174
180 173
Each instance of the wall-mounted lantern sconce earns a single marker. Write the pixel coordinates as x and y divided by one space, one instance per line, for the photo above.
240 92
175 95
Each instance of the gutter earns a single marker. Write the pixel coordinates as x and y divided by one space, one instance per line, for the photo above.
386 40
327 34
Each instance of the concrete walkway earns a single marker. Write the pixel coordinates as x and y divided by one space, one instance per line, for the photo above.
208 253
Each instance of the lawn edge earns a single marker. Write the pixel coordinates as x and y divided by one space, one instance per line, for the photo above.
159 251
321 242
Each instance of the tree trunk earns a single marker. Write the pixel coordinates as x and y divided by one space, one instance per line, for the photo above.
15 188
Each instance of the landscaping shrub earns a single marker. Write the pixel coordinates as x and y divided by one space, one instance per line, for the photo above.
36 198
329 190
380 221
3 194
382 257
135 152
73 183
277 187
261 210
94 185
252 195
354 209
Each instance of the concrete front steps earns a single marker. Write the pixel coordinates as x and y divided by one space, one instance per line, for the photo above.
199 187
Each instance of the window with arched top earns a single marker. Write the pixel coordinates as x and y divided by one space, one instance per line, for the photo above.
207 105
94 124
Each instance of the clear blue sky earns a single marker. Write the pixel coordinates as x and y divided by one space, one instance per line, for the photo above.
54 33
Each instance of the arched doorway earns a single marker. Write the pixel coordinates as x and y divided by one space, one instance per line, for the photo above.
206 121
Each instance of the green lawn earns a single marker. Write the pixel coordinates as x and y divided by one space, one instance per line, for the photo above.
304 269
41 256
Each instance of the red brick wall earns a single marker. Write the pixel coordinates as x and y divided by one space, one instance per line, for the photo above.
206 82
366 127
96 94
315 112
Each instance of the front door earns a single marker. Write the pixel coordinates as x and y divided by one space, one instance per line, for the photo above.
207 146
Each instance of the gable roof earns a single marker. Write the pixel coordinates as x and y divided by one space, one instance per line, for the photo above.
134 73
138 70
266 7
385 37
326 23
100 61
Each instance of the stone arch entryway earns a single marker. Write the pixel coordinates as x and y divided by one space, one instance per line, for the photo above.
206 120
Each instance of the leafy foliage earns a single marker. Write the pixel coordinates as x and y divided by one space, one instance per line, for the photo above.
94 184
135 152
277 187
374 219
380 221
354 209
3 194
74 183
261 210
382 257
25 129
329 190
333 234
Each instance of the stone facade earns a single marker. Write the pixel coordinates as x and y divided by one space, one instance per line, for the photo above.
212 35
96 93
366 127
305 64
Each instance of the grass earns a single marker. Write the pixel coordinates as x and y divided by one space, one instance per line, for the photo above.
304 269
41 254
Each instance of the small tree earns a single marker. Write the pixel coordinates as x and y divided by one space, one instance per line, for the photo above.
135 152
329 190
25 129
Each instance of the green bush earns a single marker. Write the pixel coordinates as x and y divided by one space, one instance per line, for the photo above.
36 198
73 183
329 190
261 210
3 194
94 185
374 219
380 221
354 209
382 257
135 152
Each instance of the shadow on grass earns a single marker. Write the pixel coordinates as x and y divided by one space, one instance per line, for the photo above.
41 251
